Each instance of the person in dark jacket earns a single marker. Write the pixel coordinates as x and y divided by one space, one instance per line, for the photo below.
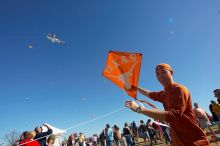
41 136
214 117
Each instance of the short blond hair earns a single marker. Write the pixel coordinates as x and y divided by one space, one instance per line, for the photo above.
30 134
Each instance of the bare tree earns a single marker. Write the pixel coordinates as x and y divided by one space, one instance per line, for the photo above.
11 137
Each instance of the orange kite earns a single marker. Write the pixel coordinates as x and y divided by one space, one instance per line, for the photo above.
123 68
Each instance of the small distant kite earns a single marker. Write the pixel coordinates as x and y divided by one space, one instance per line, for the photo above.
30 46
170 20
84 99
172 33
53 38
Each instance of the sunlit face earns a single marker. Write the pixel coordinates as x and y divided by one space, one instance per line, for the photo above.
164 77
39 129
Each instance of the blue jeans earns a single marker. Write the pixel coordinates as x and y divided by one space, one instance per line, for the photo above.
166 132
109 143
129 140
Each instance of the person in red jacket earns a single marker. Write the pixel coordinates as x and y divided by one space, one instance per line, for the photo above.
28 139
178 112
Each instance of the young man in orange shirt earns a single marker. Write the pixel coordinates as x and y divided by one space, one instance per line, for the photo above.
178 111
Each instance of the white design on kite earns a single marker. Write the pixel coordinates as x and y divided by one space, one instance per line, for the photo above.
124 78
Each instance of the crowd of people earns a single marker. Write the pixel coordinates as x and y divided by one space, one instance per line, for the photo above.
149 131
128 136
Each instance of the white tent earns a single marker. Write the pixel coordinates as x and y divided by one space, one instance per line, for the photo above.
57 132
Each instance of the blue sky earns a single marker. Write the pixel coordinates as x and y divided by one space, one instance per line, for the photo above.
62 84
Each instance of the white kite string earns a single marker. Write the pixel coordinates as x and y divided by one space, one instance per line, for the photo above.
80 124
105 115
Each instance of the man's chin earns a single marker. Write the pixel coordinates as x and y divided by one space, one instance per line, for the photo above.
163 84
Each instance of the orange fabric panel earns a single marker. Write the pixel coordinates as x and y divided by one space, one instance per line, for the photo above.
123 68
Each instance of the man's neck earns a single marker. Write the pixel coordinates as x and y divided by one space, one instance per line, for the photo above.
168 84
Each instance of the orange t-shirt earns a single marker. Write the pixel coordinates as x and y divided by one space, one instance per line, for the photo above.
177 102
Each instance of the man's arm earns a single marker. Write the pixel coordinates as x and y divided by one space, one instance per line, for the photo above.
155 113
156 96
49 130
143 91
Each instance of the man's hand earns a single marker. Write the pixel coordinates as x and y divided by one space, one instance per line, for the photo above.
132 105
132 87
46 126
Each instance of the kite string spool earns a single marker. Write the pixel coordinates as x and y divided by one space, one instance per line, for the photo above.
140 104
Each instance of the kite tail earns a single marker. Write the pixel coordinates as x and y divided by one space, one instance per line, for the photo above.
143 101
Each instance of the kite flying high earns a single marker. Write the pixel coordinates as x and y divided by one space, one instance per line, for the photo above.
53 38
